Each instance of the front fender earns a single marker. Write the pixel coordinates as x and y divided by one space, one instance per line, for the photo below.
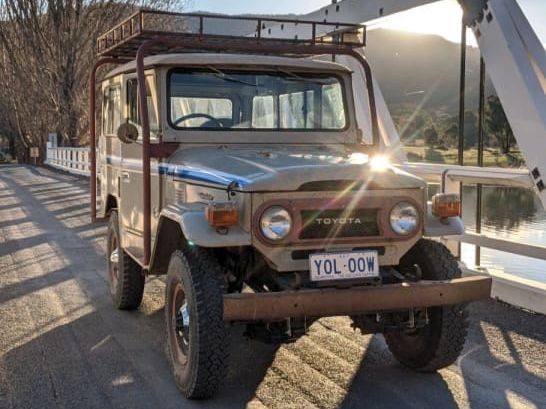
196 229
435 227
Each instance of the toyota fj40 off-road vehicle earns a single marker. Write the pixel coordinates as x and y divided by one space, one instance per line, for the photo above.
244 178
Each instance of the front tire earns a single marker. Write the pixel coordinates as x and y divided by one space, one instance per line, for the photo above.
197 336
126 278
440 342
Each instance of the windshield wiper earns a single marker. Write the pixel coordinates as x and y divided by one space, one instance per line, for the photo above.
222 75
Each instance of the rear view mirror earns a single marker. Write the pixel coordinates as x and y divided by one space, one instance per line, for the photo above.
127 133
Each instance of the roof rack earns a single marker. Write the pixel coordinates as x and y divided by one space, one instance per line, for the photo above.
197 29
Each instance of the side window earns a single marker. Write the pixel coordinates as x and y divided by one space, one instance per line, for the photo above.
132 106
133 114
263 112
111 112
333 113
297 110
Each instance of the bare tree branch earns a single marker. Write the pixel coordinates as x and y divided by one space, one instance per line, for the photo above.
46 50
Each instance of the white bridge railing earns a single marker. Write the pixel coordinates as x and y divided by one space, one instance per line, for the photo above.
72 160
512 289
507 287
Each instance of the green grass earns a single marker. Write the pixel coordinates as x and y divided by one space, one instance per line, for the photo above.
491 157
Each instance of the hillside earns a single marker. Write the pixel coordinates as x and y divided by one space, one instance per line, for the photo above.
415 68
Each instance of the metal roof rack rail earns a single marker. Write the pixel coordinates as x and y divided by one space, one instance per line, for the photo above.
200 31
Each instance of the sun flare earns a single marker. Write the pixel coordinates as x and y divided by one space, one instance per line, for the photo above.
442 18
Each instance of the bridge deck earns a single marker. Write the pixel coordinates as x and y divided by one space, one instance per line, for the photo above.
63 345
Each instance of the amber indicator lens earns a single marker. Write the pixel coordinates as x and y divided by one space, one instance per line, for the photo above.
222 214
446 205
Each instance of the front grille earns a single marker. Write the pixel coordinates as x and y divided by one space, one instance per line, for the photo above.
338 223
304 254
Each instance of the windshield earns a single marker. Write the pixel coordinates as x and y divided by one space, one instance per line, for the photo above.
280 100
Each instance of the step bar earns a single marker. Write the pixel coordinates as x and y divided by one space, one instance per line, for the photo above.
355 300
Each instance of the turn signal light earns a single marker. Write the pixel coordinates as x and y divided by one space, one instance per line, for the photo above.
221 214
446 205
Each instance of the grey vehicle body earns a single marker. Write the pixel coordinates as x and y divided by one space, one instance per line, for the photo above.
248 168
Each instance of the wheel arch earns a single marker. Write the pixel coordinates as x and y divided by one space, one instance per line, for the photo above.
171 237
111 204
178 225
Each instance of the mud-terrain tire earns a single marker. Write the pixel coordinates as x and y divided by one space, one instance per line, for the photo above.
125 275
441 341
197 337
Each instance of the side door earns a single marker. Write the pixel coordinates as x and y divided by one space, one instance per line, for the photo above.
132 216
109 159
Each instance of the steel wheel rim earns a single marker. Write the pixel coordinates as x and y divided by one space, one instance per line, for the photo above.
180 325
113 261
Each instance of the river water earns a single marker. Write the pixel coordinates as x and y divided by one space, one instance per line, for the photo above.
508 213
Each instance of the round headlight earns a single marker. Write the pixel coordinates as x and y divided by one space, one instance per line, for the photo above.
404 218
276 223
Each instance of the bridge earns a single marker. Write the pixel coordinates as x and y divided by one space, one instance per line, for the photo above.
67 347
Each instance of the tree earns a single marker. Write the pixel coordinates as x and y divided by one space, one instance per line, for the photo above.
431 136
47 48
497 124
451 134
411 125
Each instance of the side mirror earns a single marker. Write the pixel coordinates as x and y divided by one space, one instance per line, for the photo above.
127 133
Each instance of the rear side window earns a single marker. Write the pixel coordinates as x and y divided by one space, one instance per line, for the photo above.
332 118
297 110
111 112
133 114
263 112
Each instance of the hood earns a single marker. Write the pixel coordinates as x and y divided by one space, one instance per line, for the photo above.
270 169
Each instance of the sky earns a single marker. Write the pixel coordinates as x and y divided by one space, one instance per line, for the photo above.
442 18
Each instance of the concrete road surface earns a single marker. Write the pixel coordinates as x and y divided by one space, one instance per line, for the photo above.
62 345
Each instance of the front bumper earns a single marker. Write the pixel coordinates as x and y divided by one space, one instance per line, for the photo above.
354 300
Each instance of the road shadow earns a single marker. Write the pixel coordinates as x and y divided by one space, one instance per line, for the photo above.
502 366
381 382
510 343
12 222
94 362
248 363
52 173
93 355
9 206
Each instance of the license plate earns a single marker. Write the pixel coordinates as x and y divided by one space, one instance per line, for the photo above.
342 266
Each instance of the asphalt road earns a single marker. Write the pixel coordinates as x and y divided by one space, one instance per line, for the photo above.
62 345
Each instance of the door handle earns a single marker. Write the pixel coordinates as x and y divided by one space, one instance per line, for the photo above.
125 176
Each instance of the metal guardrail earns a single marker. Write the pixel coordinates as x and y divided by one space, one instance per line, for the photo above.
514 290
448 174
507 287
